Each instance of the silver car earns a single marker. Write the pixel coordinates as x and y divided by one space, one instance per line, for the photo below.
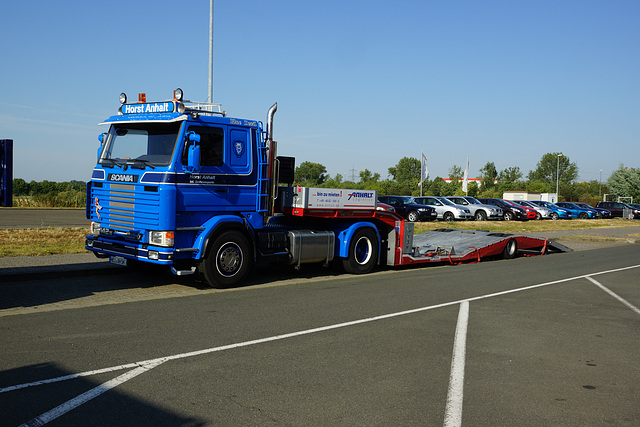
479 210
541 211
446 209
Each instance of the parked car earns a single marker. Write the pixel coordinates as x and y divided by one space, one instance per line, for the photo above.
510 212
385 207
558 212
603 212
409 210
446 209
577 211
541 211
479 211
618 209
531 213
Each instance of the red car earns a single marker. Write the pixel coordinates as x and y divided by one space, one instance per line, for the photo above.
531 213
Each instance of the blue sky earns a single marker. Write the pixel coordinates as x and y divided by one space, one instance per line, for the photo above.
359 84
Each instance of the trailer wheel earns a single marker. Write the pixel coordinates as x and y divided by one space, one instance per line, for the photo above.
363 252
511 249
227 261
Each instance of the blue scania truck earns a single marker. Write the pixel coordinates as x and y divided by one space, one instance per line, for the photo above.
180 184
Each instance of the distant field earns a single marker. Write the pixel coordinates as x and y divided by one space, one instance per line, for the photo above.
49 241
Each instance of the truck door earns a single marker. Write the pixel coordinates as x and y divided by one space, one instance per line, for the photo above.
206 190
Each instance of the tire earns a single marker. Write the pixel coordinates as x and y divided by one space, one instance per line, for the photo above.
363 252
448 216
511 249
583 215
538 216
228 260
555 216
413 216
508 216
480 215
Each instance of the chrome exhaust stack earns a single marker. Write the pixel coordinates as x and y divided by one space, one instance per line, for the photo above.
273 166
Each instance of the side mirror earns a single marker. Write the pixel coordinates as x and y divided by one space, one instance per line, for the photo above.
102 138
193 154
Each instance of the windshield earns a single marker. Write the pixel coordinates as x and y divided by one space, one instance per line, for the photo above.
446 201
473 201
140 144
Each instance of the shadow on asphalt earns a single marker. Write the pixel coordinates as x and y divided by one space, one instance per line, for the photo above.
22 405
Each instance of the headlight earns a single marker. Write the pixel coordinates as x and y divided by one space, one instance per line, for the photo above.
422 210
94 228
161 238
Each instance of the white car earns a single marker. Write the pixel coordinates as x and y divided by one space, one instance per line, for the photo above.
446 209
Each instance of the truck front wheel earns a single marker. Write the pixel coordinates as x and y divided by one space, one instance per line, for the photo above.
227 261
363 252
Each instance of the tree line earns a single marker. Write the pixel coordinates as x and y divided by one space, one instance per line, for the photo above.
552 169
69 194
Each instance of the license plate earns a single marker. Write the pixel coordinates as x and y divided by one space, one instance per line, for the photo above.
118 260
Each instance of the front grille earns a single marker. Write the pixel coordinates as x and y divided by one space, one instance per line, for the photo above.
125 207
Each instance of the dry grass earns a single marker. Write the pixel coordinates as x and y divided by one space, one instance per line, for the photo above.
41 241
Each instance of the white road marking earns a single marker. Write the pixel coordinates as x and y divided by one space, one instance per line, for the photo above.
453 410
88 395
146 365
613 294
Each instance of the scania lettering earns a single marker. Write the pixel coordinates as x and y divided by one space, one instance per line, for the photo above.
181 184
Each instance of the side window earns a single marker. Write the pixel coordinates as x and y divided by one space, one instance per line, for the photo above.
211 145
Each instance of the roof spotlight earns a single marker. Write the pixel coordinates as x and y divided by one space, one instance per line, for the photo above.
123 98
177 94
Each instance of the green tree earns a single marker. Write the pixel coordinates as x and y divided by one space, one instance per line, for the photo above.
310 174
510 175
20 187
625 182
406 174
489 174
548 167
366 176
455 173
407 169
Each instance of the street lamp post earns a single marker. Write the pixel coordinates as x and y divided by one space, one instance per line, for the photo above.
558 178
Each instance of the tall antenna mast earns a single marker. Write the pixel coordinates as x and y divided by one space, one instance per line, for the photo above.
211 51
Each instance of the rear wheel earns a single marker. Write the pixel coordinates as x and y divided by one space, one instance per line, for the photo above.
363 252
228 260
511 249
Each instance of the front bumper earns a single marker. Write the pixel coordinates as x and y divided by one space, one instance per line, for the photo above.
129 250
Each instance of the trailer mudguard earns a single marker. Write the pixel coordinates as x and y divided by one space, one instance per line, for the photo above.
344 235
211 226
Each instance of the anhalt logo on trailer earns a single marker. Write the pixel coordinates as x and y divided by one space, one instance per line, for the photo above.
360 195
